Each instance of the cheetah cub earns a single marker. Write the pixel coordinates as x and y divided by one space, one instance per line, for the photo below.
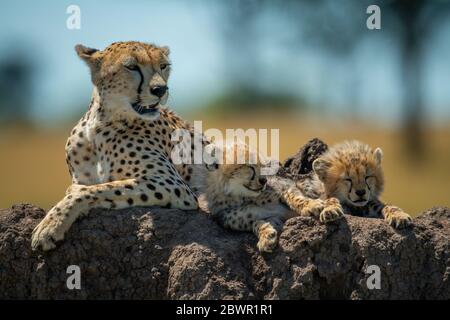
351 171
240 198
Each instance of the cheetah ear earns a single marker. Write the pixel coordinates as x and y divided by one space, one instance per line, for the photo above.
85 53
165 50
320 167
378 154
88 56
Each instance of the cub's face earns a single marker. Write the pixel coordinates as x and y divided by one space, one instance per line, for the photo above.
131 76
358 184
353 179
239 180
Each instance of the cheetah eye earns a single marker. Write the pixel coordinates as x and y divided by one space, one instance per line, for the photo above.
348 180
132 67
164 66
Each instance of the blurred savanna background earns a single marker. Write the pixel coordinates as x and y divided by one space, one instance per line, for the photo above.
309 68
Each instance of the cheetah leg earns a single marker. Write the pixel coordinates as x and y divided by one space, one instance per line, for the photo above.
264 221
267 233
332 211
327 210
80 158
112 195
396 217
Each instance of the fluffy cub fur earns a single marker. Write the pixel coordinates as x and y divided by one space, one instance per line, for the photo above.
240 198
352 172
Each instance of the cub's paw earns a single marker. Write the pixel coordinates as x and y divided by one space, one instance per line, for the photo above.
330 214
333 211
46 233
313 208
399 219
268 238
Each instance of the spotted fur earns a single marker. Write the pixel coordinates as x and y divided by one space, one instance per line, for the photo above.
119 153
352 172
240 198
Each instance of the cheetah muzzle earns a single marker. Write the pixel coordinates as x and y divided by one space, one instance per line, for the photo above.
141 109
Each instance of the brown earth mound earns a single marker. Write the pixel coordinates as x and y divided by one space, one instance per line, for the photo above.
151 253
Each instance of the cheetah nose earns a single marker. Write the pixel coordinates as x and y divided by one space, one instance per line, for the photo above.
262 180
158 91
360 192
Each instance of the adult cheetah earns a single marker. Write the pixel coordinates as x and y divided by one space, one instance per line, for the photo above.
119 153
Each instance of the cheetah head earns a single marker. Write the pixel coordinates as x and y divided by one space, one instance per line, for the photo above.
234 177
131 77
240 180
352 172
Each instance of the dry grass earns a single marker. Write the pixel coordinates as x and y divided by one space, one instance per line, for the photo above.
33 168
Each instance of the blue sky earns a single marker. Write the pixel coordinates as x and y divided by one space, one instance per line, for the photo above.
63 80
191 30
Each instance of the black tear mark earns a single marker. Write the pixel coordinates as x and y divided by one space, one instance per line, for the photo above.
138 69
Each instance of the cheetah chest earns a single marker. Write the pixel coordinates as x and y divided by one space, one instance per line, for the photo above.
129 154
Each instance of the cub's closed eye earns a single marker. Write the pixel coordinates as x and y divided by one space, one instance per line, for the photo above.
348 180
164 66
132 67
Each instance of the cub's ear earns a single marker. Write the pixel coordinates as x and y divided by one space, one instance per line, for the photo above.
378 154
211 157
88 55
320 167
165 50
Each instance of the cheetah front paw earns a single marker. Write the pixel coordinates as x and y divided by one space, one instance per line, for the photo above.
331 213
46 233
399 220
313 208
268 239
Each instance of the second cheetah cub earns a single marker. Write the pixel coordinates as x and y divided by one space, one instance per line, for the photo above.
351 171
242 199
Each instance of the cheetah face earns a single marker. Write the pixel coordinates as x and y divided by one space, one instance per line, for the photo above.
354 177
245 180
131 77
235 170
356 188
146 102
